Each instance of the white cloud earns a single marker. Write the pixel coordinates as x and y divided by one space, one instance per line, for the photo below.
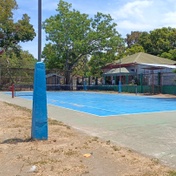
169 19
144 15
135 9
130 15
133 26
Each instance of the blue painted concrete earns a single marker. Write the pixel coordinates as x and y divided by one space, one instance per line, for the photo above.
104 104
39 111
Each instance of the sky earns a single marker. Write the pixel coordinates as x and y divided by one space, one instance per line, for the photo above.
129 15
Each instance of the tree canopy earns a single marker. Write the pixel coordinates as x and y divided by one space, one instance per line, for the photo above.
159 42
72 35
13 32
26 60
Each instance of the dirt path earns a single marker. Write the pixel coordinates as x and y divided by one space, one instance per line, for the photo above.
63 154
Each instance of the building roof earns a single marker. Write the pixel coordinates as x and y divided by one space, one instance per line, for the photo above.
116 71
53 74
139 58
159 65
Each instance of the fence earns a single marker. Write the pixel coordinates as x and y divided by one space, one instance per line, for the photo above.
22 78
144 83
145 89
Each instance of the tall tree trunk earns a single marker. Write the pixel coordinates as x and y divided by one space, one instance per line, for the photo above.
67 77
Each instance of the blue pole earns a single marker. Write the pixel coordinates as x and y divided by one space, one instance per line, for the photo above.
39 110
39 29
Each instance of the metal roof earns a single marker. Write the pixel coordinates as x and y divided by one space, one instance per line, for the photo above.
53 74
159 65
139 58
116 71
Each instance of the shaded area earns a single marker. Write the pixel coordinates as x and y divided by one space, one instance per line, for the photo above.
16 140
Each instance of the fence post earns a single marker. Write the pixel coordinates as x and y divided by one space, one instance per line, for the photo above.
141 82
13 90
120 86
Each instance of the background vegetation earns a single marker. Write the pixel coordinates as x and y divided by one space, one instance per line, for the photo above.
76 44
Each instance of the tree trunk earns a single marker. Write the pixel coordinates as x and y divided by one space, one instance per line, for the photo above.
67 77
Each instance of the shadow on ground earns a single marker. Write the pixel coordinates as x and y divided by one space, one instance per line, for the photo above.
16 140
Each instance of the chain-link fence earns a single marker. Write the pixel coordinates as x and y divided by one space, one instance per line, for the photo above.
151 83
22 78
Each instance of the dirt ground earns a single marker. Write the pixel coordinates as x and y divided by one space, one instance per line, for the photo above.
67 152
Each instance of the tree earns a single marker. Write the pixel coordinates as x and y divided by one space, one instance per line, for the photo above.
73 35
96 62
82 68
135 42
12 33
99 60
161 40
6 7
133 38
170 55
158 41
26 60
134 49
145 42
19 70
6 13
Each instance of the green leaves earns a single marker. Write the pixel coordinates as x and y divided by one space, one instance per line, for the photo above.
12 33
25 60
24 30
134 49
74 35
159 42
6 9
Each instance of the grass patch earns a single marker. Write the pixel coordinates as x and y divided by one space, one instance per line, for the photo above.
56 122
108 142
70 152
155 160
19 107
47 161
115 148
172 173
95 139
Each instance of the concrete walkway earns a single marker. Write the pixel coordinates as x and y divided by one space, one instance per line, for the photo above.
151 134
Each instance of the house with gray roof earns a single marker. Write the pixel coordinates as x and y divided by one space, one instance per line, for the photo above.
140 69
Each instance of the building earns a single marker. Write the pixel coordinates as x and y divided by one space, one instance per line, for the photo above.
131 68
53 81
141 69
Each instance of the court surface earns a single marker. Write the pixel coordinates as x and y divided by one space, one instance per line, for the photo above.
105 104
151 134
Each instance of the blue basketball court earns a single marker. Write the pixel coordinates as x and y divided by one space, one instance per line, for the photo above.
146 124
106 104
